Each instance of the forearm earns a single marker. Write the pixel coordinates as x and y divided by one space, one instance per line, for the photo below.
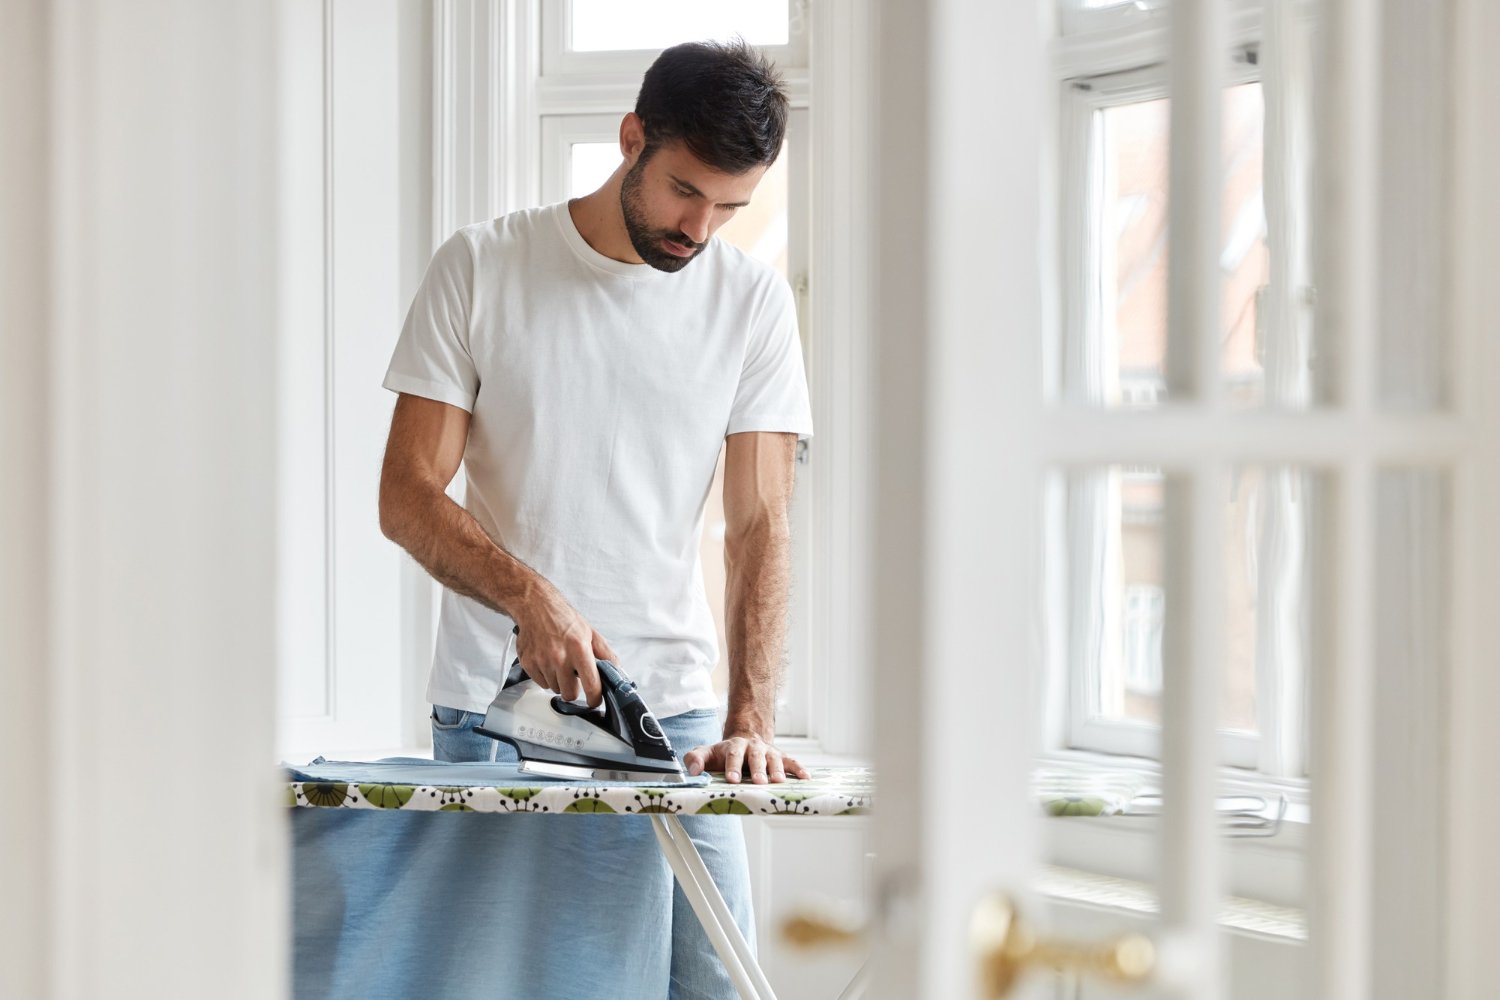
758 575
447 542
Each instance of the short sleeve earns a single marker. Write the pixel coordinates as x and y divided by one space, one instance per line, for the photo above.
432 354
772 394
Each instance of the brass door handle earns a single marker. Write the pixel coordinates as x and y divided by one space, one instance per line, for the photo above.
1007 946
817 930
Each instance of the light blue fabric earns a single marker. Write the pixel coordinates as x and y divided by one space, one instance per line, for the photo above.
389 904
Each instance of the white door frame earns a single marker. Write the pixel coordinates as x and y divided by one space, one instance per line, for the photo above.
953 499
943 525
1473 889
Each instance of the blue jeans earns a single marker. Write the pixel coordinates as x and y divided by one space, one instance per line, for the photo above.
608 917
395 905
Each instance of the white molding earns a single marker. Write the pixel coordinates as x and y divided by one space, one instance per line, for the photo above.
330 398
370 95
305 582
485 108
795 707
841 368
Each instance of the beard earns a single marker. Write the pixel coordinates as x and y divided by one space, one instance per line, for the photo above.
645 239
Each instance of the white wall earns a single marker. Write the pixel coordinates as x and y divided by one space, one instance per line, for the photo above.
139 491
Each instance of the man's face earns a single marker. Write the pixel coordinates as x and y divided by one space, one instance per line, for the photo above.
673 203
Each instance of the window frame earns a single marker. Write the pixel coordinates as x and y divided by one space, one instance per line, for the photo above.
489 97
1083 97
581 97
558 60
559 132
1075 17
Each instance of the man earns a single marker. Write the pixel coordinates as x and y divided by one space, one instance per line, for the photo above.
587 361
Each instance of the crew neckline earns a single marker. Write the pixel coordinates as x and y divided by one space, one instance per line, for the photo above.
592 257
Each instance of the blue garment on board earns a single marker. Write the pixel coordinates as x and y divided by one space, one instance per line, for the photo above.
391 905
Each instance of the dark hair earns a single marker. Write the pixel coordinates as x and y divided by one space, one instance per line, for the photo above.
723 100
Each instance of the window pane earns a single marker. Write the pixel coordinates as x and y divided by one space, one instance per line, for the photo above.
600 25
760 228
590 165
1133 241
1119 598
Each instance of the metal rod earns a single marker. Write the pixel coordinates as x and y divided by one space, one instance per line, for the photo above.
718 936
716 902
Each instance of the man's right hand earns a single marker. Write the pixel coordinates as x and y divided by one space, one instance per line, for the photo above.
558 649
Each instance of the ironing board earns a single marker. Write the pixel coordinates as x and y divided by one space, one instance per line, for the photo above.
420 785
398 784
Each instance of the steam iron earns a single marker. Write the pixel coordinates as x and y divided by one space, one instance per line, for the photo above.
618 741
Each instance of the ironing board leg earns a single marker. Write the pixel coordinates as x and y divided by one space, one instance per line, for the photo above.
856 987
710 908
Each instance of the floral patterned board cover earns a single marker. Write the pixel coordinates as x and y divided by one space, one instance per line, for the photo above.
833 791
842 791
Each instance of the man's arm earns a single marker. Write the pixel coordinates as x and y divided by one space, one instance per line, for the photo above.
759 473
557 646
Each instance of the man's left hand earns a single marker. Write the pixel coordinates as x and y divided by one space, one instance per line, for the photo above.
746 755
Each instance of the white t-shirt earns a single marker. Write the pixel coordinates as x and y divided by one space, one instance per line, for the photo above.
601 393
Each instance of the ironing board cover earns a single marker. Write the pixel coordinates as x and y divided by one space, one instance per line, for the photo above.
420 786
406 784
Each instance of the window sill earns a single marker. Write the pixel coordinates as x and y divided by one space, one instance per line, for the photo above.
1269 869
1250 917
1233 780
810 753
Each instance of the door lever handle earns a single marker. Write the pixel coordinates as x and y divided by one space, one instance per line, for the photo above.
1006 946
816 930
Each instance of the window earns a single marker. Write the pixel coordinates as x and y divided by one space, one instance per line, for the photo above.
610 36
594 54
1144 604
607 25
1114 354
525 116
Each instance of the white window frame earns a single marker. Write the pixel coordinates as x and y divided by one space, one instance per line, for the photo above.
1083 99
491 99
1075 17
559 133
1118 59
558 60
